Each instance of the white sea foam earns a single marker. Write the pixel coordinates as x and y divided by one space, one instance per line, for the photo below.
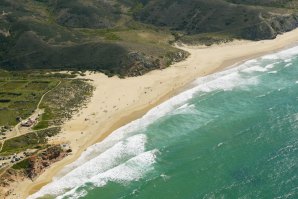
227 82
284 55
288 60
132 170
184 106
185 109
75 194
269 66
220 144
120 152
271 56
254 69
272 72
252 61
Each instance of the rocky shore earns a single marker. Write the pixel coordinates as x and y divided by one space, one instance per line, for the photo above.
30 168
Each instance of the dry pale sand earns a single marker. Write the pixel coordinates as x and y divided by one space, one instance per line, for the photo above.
118 101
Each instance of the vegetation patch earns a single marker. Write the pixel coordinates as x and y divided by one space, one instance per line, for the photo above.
41 125
62 102
24 164
5 100
32 140
20 94
206 39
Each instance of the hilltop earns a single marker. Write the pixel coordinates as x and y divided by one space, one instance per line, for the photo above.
253 20
129 37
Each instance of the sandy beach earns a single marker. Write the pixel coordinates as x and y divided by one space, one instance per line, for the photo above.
116 102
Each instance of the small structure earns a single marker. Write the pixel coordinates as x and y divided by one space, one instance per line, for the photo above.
28 123
66 147
18 119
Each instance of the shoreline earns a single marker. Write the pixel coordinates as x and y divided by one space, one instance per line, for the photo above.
139 94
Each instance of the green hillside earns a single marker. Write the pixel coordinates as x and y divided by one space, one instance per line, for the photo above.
128 37
246 19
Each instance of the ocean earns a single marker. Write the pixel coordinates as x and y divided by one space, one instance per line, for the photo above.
233 134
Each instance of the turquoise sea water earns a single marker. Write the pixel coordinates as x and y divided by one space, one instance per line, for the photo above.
234 134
